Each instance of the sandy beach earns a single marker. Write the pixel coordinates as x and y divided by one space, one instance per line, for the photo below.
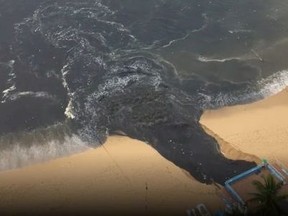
124 175
129 176
257 130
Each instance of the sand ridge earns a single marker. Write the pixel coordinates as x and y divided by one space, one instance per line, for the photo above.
259 129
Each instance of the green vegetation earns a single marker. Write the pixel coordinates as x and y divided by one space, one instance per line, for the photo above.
268 197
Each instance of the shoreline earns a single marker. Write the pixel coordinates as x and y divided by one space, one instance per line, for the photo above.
124 175
230 151
125 172
256 131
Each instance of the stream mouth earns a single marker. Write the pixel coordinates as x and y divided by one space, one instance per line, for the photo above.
147 69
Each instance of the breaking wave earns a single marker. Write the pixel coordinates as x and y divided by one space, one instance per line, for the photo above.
262 89
23 149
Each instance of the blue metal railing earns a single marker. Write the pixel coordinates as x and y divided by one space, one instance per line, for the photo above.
276 173
245 174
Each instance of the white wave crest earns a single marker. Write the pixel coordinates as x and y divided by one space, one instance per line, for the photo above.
236 31
263 88
274 84
8 95
206 59
69 110
7 92
115 84
10 82
19 156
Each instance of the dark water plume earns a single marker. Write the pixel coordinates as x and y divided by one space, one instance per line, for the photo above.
145 68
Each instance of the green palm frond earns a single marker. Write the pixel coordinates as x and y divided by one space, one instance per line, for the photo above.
257 196
259 185
267 196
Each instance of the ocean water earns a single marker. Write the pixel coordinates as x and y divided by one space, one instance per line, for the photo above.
73 72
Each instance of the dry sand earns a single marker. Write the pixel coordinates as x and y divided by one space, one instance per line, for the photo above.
259 129
125 176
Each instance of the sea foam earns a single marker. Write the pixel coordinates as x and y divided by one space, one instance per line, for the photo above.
19 155
265 87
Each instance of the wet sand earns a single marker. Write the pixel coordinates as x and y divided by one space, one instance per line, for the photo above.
124 176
